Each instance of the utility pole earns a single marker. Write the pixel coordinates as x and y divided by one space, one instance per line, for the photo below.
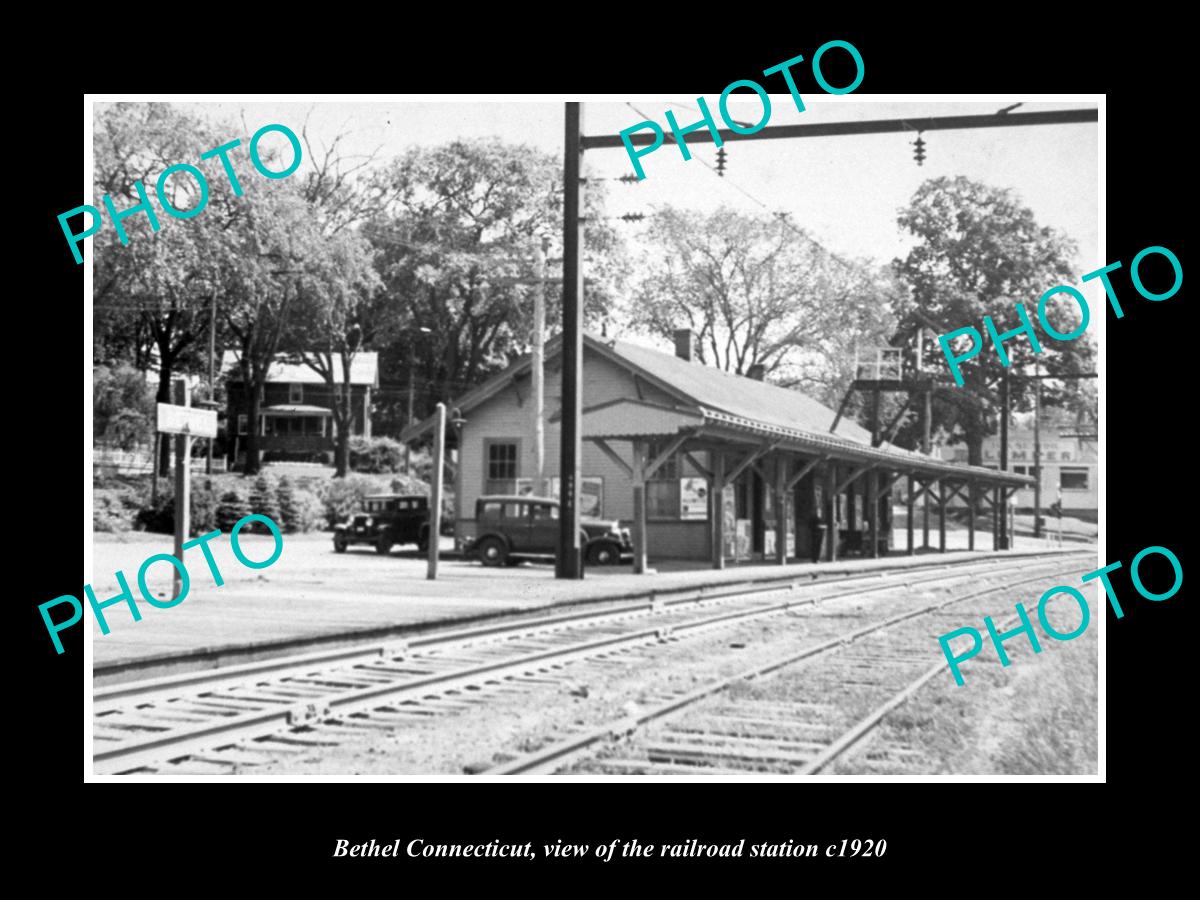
435 491
408 420
1037 449
183 454
1004 405
212 374
412 378
927 437
569 563
539 374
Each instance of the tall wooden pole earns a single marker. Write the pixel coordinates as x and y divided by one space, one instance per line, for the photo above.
435 490
781 509
831 531
212 373
717 505
1005 402
539 372
570 561
183 483
1037 448
970 515
941 515
873 511
910 511
640 558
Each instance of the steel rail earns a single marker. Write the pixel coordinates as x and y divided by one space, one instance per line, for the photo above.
105 697
551 758
183 742
853 735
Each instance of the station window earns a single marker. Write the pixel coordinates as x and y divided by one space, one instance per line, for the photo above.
501 461
1073 479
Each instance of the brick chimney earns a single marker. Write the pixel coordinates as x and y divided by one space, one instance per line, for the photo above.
685 343
756 371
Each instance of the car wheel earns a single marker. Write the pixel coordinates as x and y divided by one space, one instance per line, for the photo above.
423 542
383 545
339 543
603 554
492 552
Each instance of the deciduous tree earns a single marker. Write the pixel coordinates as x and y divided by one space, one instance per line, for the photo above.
979 251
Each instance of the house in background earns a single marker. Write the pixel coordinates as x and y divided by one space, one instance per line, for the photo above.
295 420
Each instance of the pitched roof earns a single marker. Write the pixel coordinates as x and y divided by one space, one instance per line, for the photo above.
364 369
735 400
737 395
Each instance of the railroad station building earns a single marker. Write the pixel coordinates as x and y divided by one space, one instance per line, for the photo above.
703 464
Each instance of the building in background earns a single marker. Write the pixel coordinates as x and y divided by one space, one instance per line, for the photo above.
295 420
1069 462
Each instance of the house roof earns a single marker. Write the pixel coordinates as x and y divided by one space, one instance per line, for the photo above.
296 409
364 369
721 398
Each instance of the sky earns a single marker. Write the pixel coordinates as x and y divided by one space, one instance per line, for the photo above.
844 191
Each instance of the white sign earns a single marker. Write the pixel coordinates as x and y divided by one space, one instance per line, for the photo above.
174 419
693 498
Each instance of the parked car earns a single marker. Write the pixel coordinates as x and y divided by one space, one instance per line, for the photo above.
509 529
386 520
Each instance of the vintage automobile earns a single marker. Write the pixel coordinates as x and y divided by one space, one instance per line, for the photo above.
509 529
386 520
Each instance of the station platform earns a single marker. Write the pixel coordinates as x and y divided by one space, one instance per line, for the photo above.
312 597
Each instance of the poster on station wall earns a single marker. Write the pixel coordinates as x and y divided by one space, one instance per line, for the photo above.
729 522
745 539
693 498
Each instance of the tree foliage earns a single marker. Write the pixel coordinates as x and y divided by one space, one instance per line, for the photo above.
457 228
760 292
123 409
980 252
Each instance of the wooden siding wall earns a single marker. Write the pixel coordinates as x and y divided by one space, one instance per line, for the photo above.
509 414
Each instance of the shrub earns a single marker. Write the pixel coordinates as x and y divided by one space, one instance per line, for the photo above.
310 511
262 502
111 510
345 495
159 516
231 508
203 507
376 455
300 509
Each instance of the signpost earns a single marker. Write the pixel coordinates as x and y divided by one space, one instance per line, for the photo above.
435 492
185 423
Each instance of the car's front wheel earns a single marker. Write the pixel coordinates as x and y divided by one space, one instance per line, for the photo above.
423 541
604 554
383 545
492 552
340 543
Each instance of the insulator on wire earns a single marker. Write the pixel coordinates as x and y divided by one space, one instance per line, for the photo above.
629 179
919 155
632 217
721 161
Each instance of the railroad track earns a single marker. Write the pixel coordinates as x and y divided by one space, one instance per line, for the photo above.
823 703
221 721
